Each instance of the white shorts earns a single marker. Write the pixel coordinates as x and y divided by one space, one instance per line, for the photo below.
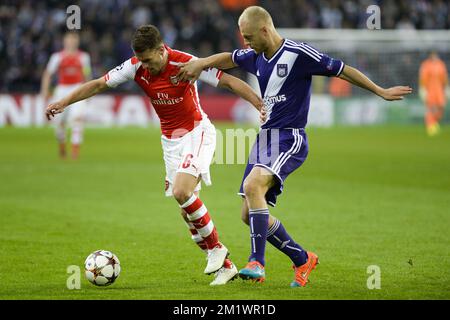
192 154
71 113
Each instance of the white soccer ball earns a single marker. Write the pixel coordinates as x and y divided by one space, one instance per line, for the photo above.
102 267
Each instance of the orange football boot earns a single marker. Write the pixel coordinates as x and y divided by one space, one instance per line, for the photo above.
302 272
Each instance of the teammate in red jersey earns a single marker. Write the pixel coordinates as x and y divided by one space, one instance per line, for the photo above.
72 67
188 137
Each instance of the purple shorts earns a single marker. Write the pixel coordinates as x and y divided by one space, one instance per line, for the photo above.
280 151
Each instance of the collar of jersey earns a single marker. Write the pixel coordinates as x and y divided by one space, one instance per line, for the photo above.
169 54
276 52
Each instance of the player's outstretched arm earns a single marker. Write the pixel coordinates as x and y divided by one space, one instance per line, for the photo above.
357 78
242 89
191 70
86 90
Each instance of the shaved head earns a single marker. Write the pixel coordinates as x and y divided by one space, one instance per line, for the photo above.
257 30
255 16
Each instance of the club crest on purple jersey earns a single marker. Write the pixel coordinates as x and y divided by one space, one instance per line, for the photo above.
282 70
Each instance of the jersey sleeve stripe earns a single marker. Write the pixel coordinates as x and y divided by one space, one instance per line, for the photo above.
310 48
293 43
305 46
340 69
305 51
310 51
233 55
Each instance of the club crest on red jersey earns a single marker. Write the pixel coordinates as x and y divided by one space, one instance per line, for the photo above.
174 80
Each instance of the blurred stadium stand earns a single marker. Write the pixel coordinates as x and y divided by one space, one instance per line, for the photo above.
31 30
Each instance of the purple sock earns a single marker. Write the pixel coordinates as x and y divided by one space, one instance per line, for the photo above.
259 222
281 240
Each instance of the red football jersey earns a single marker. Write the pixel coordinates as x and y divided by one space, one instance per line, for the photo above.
70 67
176 102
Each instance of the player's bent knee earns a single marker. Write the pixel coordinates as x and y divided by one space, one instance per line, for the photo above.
181 195
252 188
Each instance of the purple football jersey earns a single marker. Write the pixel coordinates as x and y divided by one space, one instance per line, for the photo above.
285 80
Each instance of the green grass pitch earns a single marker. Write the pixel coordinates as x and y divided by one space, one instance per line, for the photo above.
365 196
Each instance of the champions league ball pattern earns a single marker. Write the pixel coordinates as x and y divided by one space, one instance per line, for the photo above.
102 268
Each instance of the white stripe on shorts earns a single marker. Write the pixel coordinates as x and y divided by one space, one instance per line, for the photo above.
282 155
294 149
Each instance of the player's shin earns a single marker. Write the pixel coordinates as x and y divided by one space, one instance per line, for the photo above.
60 133
280 239
198 216
77 138
197 238
258 221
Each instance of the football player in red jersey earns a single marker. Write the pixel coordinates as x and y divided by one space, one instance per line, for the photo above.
72 67
188 137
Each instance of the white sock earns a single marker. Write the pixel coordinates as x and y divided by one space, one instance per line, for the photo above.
77 133
60 133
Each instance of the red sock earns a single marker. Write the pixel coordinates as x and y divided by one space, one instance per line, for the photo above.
227 263
75 151
199 217
62 150
199 241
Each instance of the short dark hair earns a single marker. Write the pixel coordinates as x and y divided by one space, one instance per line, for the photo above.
146 37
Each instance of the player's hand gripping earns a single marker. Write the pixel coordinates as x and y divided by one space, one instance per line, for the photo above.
395 93
190 71
54 108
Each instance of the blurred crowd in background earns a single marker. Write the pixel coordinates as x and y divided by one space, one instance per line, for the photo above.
31 30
